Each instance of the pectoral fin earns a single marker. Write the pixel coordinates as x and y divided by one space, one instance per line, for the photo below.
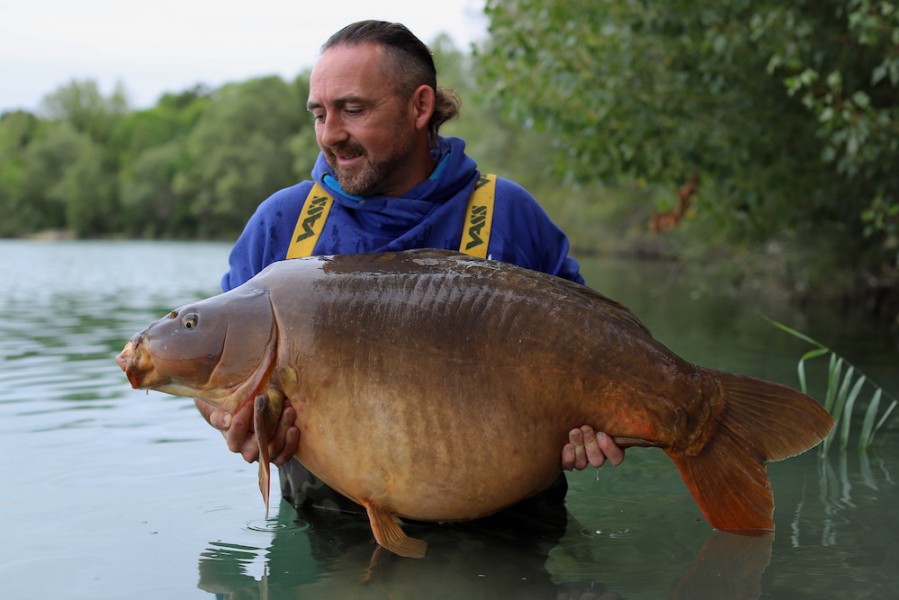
390 536
260 411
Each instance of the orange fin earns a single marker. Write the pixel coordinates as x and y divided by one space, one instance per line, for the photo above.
390 536
761 421
260 410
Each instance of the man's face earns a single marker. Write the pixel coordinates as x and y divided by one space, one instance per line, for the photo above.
364 129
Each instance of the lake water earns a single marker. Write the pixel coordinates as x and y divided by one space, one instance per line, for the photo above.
109 492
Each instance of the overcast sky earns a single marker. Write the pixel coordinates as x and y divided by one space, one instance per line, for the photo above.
170 45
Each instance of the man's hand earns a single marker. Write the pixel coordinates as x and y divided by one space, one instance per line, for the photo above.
587 447
239 435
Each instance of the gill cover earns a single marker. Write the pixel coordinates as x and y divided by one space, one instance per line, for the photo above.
213 345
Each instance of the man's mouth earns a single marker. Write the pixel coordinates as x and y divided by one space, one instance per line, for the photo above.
347 155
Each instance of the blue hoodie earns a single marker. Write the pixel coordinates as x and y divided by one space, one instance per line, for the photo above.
428 216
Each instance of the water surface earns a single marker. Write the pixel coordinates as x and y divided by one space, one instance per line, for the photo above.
113 493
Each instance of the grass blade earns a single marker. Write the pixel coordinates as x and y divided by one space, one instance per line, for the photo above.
842 393
833 376
885 415
803 385
866 437
794 333
847 411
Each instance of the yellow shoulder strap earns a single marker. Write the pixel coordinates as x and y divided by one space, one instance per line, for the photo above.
475 231
311 222
479 217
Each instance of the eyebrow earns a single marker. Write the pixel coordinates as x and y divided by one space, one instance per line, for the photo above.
342 101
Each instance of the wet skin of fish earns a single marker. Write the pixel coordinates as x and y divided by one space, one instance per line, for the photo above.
434 386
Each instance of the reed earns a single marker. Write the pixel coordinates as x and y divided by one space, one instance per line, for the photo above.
845 384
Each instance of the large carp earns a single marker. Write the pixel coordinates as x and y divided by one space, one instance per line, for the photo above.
434 386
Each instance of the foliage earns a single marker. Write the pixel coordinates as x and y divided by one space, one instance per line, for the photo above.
843 389
239 146
789 112
54 150
150 146
196 164
17 129
81 104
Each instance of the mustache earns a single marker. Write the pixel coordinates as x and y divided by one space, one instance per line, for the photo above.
346 149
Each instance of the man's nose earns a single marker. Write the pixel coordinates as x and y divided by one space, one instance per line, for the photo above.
332 131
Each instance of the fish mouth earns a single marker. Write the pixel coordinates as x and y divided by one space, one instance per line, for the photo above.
135 361
124 357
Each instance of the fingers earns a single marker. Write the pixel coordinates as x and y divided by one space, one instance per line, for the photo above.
238 431
568 456
576 439
585 446
205 409
237 428
594 453
218 418
613 453
292 440
287 438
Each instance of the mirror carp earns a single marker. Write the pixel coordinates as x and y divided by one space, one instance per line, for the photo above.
434 386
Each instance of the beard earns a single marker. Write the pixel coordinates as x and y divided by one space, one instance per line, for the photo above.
374 176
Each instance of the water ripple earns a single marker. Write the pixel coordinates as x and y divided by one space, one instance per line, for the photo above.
276 525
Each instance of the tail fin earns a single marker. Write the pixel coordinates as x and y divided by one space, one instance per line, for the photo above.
761 422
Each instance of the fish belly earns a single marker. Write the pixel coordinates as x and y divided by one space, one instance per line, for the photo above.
429 460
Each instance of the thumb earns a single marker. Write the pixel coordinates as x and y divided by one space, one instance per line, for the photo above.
220 419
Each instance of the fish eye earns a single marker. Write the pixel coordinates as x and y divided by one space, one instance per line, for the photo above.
190 320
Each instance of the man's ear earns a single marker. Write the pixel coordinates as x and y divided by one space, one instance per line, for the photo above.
422 105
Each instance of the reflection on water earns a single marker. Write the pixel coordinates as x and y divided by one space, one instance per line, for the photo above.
845 489
110 493
332 556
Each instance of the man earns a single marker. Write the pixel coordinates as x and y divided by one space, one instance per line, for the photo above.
389 182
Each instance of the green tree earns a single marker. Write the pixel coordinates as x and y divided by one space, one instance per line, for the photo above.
46 160
841 61
171 119
83 105
151 205
239 151
68 176
16 131
87 189
788 112
151 146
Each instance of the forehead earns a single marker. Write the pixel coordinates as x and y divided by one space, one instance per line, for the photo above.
348 71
